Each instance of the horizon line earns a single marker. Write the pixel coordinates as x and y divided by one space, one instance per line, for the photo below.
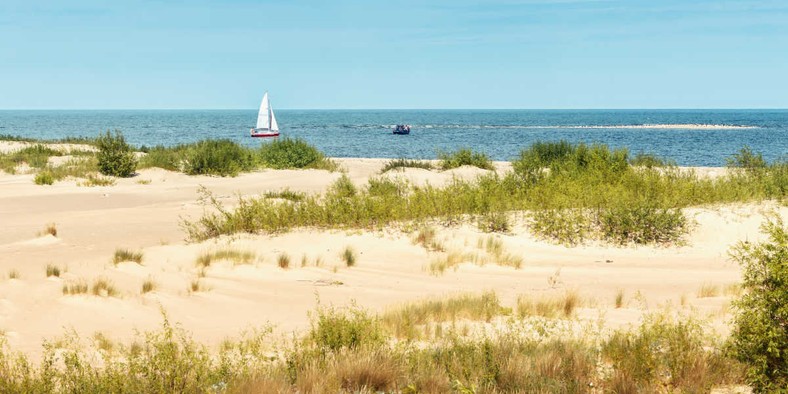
412 109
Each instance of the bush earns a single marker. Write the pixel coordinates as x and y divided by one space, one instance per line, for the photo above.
464 157
293 153
747 159
642 224
648 160
217 157
44 178
760 334
115 157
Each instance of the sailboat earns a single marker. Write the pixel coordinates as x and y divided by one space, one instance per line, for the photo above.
266 121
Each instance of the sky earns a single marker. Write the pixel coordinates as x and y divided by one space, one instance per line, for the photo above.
355 54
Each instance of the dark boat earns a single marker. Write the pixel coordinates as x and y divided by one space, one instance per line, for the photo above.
402 129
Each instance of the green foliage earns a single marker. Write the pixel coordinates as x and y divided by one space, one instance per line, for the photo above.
293 153
217 157
405 163
667 353
586 193
494 222
649 160
44 178
36 156
349 256
286 194
464 157
163 157
115 157
760 334
747 159
334 329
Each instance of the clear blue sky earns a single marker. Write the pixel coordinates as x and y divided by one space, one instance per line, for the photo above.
394 54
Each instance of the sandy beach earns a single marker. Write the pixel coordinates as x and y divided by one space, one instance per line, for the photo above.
145 213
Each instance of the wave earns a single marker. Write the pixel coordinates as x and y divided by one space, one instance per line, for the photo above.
667 126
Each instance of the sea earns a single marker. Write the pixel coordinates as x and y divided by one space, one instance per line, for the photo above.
688 137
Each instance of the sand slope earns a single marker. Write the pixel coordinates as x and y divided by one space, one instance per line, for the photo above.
93 221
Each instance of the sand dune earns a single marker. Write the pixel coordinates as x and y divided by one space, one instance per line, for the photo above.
92 222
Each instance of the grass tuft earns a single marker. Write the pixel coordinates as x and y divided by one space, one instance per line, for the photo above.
103 288
464 157
708 290
550 307
122 255
53 270
349 256
148 285
75 287
283 261
397 164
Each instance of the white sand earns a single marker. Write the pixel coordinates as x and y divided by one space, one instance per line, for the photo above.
93 221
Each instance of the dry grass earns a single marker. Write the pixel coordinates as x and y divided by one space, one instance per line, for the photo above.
197 285
552 307
13 274
237 257
50 229
426 238
283 261
708 290
403 321
619 299
75 287
148 285
53 270
450 260
96 180
732 290
122 255
103 287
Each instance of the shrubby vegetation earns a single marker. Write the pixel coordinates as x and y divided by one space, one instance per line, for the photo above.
464 157
573 193
760 334
228 158
405 163
115 157
353 351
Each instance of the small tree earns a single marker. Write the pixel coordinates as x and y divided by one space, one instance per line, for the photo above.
760 333
115 157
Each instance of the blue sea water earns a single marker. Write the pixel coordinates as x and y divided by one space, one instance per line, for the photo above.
690 137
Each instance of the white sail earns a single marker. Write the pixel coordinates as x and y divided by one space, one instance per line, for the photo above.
262 116
274 126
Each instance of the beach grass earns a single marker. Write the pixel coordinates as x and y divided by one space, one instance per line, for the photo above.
122 254
349 256
148 286
75 287
348 350
401 163
464 157
53 270
237 257
571 193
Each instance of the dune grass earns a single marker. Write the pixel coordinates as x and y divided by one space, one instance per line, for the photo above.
286 194
550 306
122 255
283 261
35 156
75 287
573 193
398 164
349 256
50 229
53 270
148 286
349 350
237 257
103 287
464 157
426 237
708 290
13 274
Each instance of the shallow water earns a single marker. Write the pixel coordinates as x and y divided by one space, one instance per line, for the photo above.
690 137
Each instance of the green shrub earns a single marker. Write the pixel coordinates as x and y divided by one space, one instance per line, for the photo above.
115 157
642 224
464 157
760 334
493 222
747 159
166 158
293 153
648 160
217 157
334 329
349 256
44 178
